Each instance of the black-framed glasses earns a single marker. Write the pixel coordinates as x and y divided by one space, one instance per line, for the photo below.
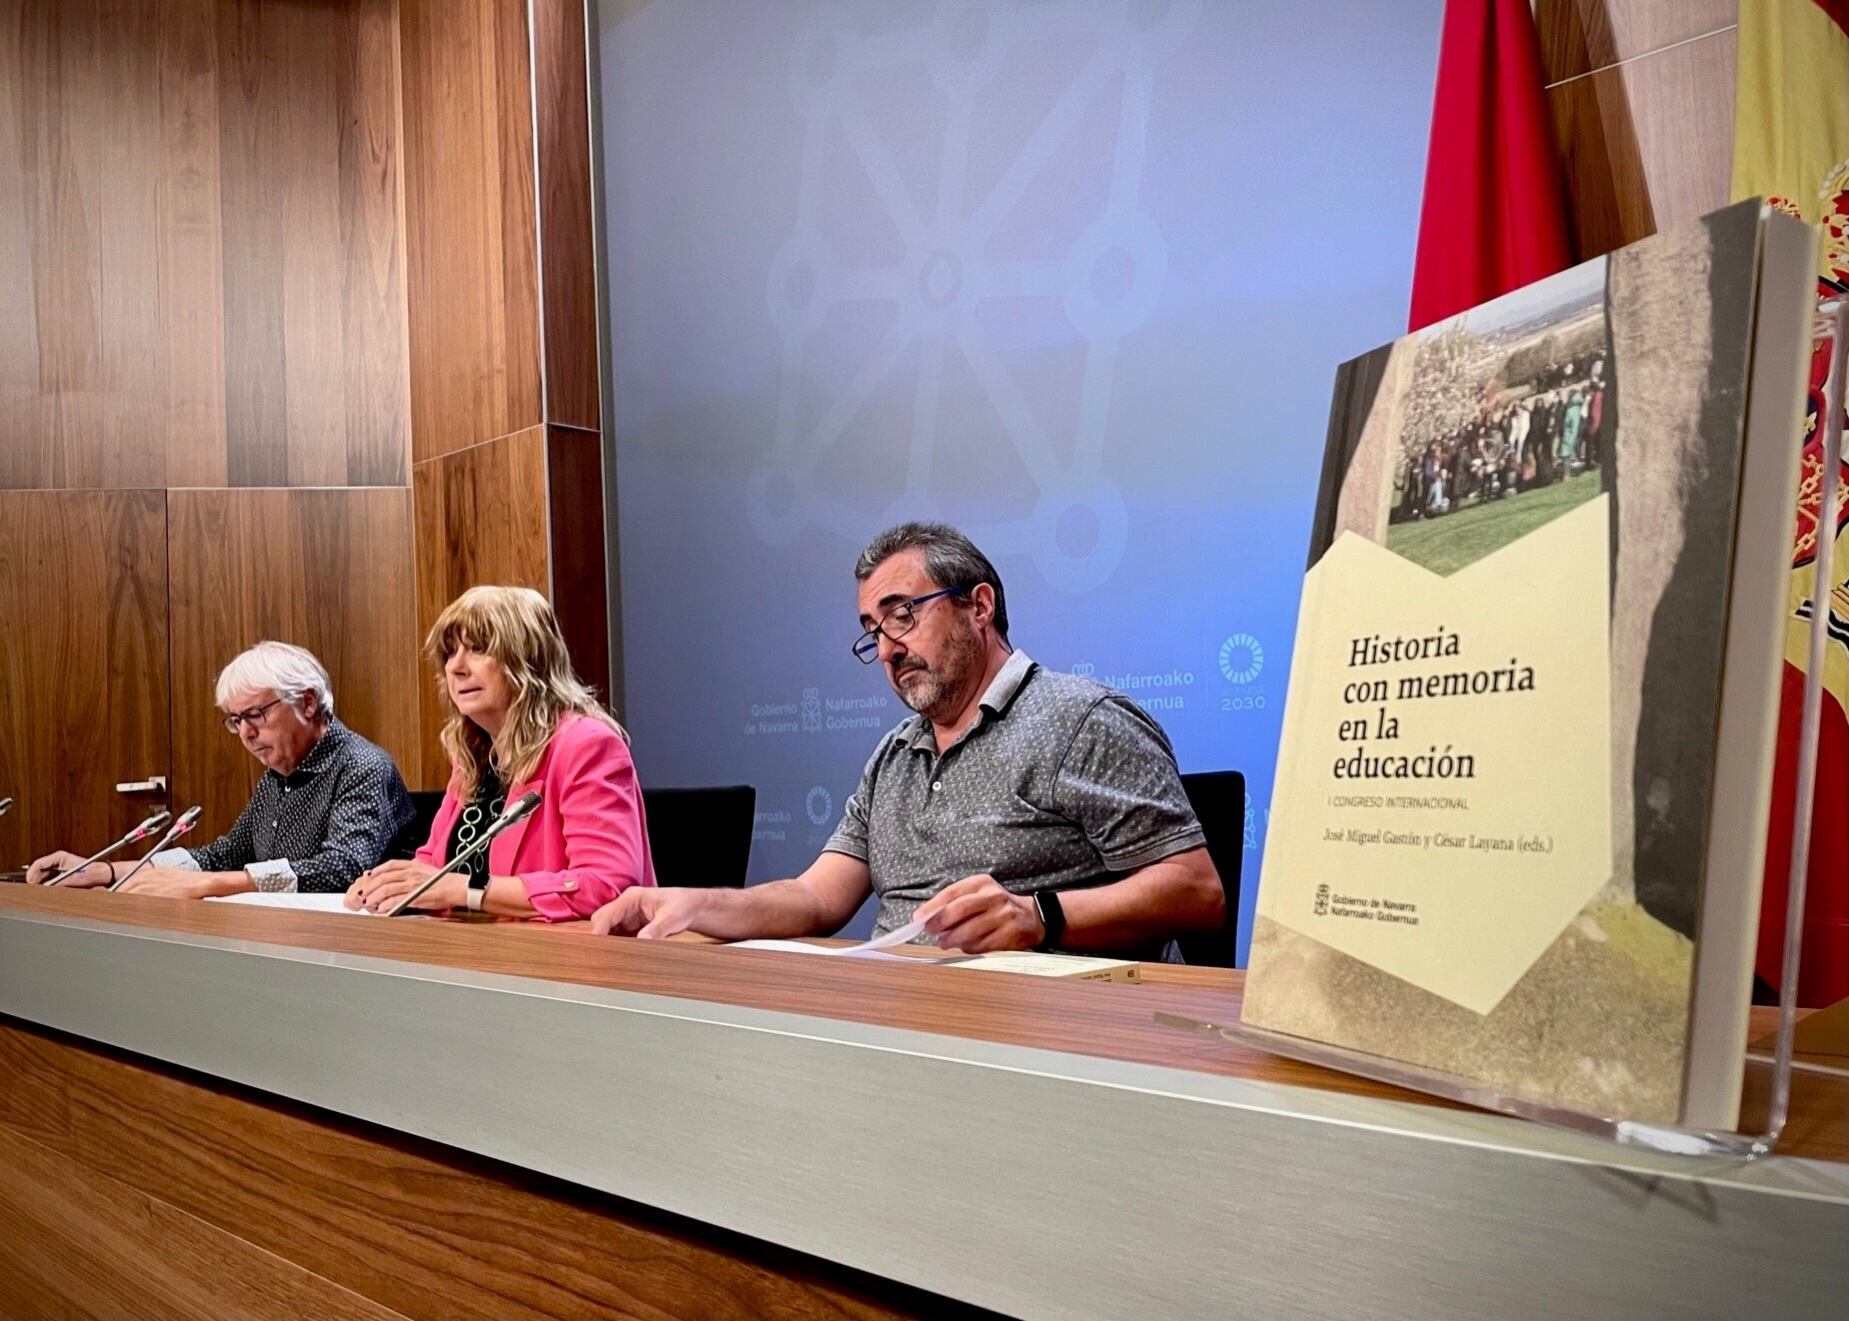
897 622
253 717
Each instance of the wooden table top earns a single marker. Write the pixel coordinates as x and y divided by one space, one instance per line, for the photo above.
1115 1020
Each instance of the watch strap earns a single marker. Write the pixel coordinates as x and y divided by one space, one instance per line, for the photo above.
1052 918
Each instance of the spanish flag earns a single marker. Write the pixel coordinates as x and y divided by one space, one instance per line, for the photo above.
1791 146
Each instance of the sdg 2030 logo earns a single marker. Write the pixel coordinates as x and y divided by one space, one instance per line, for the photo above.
1242 660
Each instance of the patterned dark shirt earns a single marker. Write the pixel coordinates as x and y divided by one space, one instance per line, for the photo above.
317 828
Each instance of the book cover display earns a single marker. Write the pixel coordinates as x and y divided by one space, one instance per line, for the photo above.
1523 783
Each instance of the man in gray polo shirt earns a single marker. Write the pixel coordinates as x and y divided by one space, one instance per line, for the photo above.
1019 809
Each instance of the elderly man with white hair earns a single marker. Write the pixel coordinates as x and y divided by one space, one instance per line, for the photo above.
327 808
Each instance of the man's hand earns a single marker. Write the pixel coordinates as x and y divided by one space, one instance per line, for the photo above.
385 885
976 915
51 864
175 883
648 912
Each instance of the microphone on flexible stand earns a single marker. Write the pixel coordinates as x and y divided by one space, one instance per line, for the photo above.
188 819
516 811
140 832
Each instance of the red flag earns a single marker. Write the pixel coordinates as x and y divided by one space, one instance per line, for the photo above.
1495 215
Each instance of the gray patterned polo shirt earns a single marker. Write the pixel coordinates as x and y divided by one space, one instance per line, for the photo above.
1061 783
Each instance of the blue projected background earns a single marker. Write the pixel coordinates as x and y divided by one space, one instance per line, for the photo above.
1073 275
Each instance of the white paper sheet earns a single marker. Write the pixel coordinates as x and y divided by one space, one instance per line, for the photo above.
867 949
314 903
897 936
802 947
1035 963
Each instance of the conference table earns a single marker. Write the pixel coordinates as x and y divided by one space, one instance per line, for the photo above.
220 1110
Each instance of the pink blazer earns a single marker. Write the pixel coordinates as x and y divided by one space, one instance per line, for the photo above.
587 841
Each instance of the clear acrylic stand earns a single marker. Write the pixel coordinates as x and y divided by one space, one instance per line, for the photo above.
1832 325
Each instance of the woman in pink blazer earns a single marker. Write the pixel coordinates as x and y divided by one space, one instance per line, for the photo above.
519 720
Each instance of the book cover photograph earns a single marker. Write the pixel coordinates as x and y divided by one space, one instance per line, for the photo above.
1524 776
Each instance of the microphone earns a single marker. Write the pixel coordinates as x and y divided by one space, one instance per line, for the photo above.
141 831
188 819
518 810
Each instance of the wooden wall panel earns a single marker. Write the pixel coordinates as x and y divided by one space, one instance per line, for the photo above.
83 1244
481 518
1580 36
79 172
282 237
325 569
308 125
83 665
201 249
191 227
1647 143
580 593
377 370
470 215
567 244
416 1228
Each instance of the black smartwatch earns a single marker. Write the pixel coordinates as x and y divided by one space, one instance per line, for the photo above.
1052 917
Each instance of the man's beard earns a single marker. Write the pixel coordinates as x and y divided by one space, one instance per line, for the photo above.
940 684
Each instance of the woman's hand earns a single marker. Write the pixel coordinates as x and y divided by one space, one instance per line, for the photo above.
385 885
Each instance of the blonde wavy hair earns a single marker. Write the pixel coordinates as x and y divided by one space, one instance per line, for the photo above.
516 626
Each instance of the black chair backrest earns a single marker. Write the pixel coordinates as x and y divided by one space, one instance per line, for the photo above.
701 836
1219 800
424 805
